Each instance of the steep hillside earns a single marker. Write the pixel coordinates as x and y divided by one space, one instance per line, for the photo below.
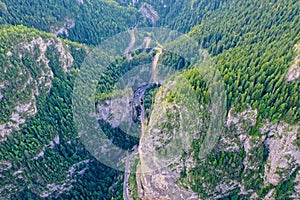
82 21
257 155
40 154
26 73
228 131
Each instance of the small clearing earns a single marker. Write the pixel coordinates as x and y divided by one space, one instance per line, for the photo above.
294 71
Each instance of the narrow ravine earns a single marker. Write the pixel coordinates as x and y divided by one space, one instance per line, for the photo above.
138 100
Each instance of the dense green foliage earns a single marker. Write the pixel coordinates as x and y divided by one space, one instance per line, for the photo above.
252 44
12 66
254 70
253 53
90 22
53 119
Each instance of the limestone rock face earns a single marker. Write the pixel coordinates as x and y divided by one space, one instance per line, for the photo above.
282 159
32 54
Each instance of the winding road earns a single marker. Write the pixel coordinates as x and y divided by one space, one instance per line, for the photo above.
126 195
138 96
138 99
131 44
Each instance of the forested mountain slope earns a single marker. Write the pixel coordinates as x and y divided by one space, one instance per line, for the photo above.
82 21
40 153
255 46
